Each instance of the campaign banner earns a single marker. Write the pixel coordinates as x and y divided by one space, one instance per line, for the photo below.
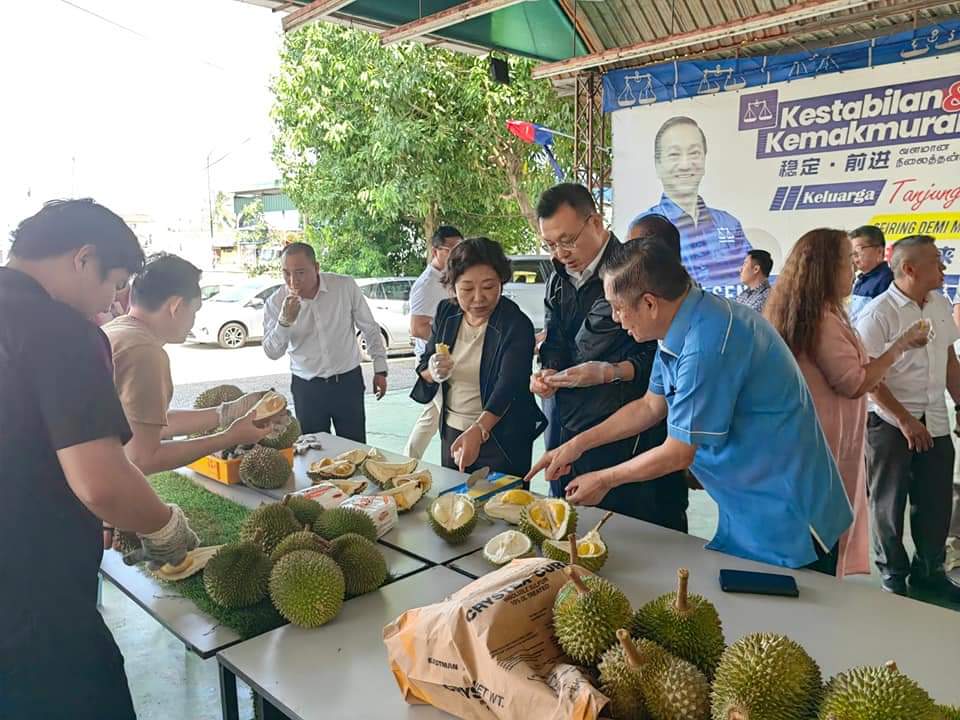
759 167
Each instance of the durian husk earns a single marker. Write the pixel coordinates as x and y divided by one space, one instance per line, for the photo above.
383 473
408 489
329 468
195 561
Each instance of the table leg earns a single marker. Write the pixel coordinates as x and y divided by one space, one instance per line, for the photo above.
228 693
265 710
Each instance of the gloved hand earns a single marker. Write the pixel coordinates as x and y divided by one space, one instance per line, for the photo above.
233 410
171 543
592 372
440 366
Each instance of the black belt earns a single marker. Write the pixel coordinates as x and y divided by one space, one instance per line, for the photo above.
335 378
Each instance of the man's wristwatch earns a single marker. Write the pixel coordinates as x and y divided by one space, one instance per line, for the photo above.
617 377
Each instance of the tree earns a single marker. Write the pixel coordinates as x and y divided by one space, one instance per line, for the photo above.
378 146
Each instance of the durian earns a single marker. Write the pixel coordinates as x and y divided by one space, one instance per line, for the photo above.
383 473
305 539
361 562
217 395
508 545
587 613
766 677
342 520
286 439
274 521
548 519
676 690
621 668
508 505
307 588
358 456
686 625
305 509
452 517
406 490
238 574
269 405
876 693
329 468
591 549
264 468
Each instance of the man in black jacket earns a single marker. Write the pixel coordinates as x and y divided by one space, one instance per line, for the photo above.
589 363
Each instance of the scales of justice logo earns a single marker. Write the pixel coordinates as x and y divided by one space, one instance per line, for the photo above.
758 110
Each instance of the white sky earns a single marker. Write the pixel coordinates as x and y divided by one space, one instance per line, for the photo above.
138 114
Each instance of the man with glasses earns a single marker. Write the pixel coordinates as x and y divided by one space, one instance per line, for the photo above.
425 296
875 274
590 365
739 415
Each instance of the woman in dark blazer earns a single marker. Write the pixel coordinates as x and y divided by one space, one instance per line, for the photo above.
489 415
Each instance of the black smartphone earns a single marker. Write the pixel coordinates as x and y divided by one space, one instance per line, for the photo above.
757 583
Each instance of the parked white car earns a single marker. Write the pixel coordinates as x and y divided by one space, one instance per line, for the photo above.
234 315
530 274
389 301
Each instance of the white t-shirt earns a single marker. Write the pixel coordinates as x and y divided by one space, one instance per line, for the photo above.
918 379
425 296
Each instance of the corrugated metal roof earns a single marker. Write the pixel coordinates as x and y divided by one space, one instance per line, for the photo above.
608 24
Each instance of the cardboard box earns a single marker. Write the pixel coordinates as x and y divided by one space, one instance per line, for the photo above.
227 471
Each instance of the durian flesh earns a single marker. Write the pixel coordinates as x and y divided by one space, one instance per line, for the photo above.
452 517
591 551
548 519
507 546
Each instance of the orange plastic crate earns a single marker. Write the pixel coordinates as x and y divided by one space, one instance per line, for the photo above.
227 471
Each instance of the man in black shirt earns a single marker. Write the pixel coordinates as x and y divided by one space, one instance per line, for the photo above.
590 364
63 471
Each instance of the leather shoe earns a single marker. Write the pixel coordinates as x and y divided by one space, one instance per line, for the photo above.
894 584
937 584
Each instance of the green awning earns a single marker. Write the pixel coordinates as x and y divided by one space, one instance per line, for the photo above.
538 28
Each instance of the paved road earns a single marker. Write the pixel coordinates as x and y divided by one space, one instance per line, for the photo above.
196 367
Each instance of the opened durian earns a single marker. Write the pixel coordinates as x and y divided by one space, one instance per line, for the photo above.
507 546
383 473
452 517
509 505
548 519
358 456
408 489
591 548
330 468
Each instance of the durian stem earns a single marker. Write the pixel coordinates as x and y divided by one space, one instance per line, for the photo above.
574 557
683 576
891 666
629 650
286 499
576 580
607 516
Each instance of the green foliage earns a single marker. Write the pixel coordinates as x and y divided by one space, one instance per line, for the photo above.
378 146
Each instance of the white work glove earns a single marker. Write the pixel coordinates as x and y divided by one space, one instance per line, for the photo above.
170 544
588 374
440 366
233 410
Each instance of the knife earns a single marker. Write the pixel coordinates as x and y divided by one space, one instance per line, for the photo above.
476 476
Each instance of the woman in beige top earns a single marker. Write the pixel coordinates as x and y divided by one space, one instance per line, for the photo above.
806 307
481 353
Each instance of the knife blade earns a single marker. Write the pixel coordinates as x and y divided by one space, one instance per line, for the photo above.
476 476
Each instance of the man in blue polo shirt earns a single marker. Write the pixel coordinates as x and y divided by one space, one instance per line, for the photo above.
875 276
713 243
738 411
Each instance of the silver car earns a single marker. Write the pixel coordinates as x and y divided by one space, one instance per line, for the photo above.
530 274
389 301
234 314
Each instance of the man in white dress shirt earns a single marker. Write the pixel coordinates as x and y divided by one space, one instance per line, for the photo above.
425 296
909 450
315 319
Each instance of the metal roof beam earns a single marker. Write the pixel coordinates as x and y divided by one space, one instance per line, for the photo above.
807 10
444 19
317 10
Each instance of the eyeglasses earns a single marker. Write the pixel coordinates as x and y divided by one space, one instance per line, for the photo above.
566 244
858 250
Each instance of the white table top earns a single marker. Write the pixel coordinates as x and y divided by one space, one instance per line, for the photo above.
340 670
200 632
842 624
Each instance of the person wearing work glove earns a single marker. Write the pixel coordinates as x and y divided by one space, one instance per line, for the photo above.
164 299
167 546
65 472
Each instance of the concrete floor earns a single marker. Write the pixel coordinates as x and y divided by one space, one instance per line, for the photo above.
168 682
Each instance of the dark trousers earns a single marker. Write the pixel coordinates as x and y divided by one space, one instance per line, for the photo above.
552 435
491 455
897 474
826 562
71 672
662 501
338 399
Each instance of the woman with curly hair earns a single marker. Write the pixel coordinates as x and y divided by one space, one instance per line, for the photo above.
807 309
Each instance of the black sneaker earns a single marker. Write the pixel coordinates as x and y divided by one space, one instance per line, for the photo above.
937 584
894 584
